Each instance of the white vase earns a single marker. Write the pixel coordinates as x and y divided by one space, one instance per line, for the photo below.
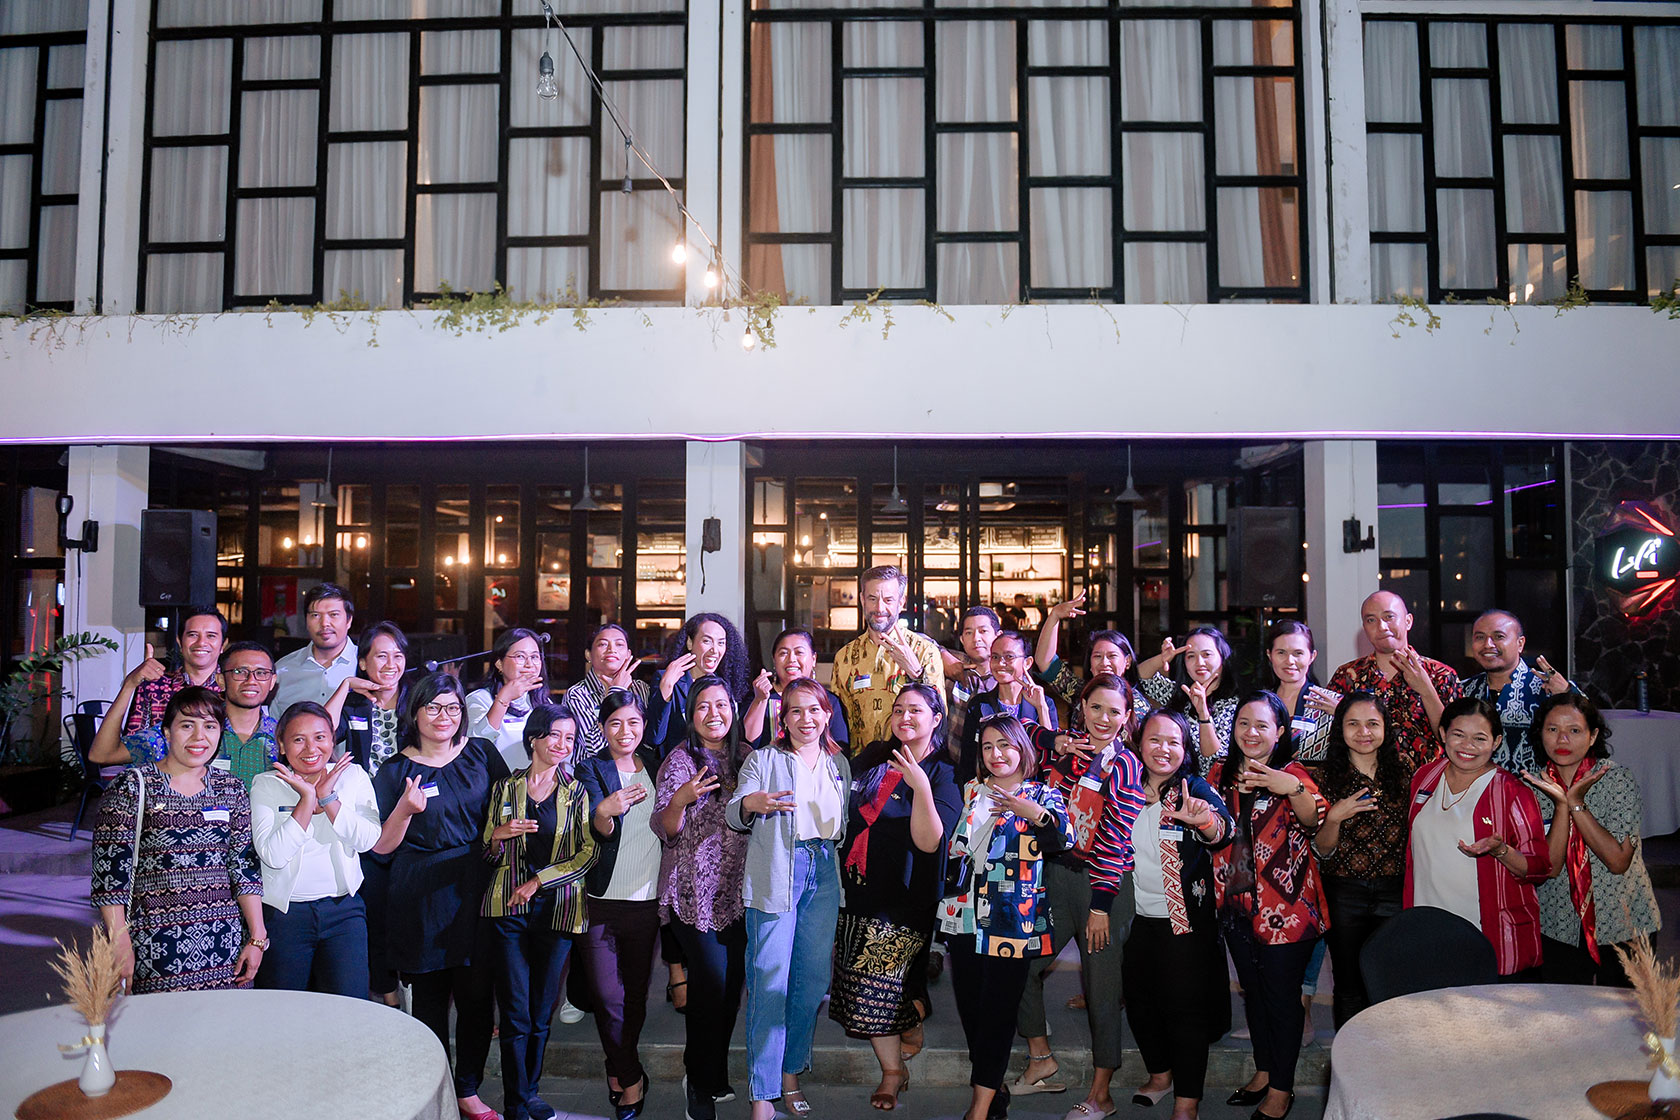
97 1074
1664 1087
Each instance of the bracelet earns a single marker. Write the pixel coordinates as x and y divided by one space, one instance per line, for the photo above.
1577 808
1205 722
328 799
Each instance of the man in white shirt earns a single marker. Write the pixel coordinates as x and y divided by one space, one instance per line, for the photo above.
315 671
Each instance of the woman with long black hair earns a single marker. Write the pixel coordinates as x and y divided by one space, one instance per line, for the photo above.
518 682
708 646
1202 686
1271 904
701 895
1290 654
904 804
1361 845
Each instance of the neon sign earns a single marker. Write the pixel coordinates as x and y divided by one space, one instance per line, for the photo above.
1638 559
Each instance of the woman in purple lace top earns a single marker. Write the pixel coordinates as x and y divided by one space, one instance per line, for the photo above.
700 889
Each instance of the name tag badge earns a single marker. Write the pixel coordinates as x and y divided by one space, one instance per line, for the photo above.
1422 797
225 765
1174 834
1091 781
358 724
218 815
430 789
861 682
1302 725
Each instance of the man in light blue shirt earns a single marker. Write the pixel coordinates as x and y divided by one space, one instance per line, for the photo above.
315 671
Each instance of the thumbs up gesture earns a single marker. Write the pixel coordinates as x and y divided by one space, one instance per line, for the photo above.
149 669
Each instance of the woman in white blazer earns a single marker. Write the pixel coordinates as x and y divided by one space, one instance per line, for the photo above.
311 819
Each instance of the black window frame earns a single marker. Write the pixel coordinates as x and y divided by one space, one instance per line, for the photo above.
32 252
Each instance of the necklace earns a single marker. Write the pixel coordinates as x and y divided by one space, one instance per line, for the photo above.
1445 793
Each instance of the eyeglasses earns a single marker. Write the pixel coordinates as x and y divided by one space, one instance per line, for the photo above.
251 674
526 658
1007 658
436 710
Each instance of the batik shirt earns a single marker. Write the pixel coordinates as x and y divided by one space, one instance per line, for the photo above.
868 678
1409 726
1517 702
243 758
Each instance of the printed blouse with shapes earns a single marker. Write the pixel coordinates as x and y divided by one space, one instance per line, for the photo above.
1518 703
152 697
1510 907
1003 905
195 861
558 855
1062 683
868 678
1083 784
302 864
1282 895
1311 729
1624 906
706 860
1408 720
1161 691
1369 845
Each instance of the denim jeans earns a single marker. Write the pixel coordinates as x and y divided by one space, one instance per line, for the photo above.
529 959
318 946
791 955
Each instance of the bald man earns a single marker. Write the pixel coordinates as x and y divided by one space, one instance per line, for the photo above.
1512 685
1412 687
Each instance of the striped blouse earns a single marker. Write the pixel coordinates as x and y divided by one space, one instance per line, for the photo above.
572 855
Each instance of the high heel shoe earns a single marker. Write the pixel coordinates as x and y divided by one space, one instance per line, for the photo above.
631 1111
1258 1115
1243 1098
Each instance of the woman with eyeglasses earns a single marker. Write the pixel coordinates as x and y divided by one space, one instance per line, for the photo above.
434 796
1015 694
538 835
518 681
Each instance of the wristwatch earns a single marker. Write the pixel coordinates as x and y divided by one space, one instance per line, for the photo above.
260 942
328 799
1300 788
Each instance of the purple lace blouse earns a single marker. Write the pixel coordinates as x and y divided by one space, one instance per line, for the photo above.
700 877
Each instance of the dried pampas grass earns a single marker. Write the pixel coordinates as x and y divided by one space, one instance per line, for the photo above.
92 980
1656 985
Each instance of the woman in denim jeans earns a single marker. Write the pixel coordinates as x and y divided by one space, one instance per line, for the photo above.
791 796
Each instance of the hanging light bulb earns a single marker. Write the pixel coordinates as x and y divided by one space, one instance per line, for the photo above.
748 339
546 87
711 277
679 253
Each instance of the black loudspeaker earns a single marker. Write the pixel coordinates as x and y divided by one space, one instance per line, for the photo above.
177 558
1264 558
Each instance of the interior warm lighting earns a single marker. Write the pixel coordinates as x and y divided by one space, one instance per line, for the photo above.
308 540
554 566
361 542
679 253
285 542
501 558
449 561
498 519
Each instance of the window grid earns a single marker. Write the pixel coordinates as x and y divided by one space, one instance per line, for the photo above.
598 132
36 250
1562 130
933 128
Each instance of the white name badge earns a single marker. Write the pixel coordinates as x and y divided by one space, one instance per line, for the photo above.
221 816
1302 725
430 789
223 764
860 683
1091 781
1172 834
1422 797
358 724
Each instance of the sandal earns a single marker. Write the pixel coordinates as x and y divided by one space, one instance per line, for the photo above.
884 1099
1088 1110
671 997
1021 1087
908 1049
796 1102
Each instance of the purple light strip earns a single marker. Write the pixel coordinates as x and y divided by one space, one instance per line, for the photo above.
1406 505
1524 486
1446 436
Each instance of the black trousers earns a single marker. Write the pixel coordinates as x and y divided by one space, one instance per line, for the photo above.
530 958
469 987
1271 978
717 970
1169 988
1358 908
1563 963
988 991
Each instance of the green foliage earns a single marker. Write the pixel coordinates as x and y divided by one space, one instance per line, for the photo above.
863 311
20 691
1411 308
1667 302
1575 297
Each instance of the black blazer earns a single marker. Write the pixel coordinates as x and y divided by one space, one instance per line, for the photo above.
599 777
355 728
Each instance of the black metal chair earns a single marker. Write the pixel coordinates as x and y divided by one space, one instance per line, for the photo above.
1424 949
80 726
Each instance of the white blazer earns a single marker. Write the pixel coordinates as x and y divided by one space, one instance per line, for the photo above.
279 838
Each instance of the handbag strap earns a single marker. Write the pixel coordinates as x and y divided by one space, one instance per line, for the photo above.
139 824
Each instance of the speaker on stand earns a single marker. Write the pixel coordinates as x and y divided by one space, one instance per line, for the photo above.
177 558
1264 559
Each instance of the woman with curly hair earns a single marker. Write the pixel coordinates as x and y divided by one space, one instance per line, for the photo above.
709 646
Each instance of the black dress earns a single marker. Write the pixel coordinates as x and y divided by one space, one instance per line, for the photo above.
437 876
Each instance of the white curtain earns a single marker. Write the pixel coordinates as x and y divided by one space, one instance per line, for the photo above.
1656 52
885 230
1071 227
792 189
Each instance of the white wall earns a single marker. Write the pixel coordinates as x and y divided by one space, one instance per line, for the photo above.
1072 370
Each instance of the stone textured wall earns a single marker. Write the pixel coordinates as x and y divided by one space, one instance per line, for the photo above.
1609 647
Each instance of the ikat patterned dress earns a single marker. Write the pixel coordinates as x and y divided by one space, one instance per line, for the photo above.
195 860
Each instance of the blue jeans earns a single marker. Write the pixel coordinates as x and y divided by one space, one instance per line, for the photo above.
791 955
529 958
318 946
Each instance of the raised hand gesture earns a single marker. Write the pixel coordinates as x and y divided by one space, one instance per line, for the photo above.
1548 787
626 674
1323 699
910 767
695 788
617 804
518 826
1071 608
1191 811
149 669
1033 693
1350 806
413 798
897 643
762 684
1578 792
1257 775
1410 662
1004 801
1169 650
679 665
328 779
1197 691
365 687
762 803
1554 682
303 787
1076 743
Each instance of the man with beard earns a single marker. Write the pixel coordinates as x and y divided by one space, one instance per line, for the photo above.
870 670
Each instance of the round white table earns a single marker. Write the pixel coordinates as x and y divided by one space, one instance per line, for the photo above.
1530 1050
1648 743
254 1055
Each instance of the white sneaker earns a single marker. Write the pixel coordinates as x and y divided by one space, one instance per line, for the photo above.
570 1014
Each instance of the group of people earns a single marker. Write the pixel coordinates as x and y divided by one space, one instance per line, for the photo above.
331 822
